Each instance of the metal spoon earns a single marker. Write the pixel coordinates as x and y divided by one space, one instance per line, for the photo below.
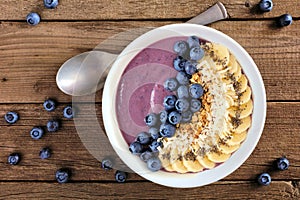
80 74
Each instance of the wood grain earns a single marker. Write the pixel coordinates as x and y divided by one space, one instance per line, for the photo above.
280 138
145 190
139 9
31 56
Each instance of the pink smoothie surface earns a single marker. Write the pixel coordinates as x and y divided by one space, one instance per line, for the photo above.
140 90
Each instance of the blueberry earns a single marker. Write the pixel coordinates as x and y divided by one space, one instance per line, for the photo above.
182 105
154 145
49 105
63 175
195 105
151 119
266 5
264 179
154 164
143 138
167 130
183 92
181 47
136 148
171 84
174 117
154 132
11 117
106 164
186 116
14 158
50 4
37 133
190 67
179 63
196 53
52 125
69 112
282 163
169 102
120 176
193 41
183 78
145 156
163 116
285 20
45 153
33 19
196 90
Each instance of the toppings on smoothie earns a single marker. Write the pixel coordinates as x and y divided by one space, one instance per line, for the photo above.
169 102
154 164
179 63
143 138
181 47
171 84
136 148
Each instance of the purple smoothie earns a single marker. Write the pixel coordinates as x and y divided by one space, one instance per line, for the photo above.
140 90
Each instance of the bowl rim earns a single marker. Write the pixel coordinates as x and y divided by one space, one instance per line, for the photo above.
190 179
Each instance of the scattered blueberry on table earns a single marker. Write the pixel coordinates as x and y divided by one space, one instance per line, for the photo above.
69 112
282 163
107 164
285 20
265 5
33 19
11 117
264 179
63 175
14 158
45 153
120 176
37 133
49 105
52 125
50 4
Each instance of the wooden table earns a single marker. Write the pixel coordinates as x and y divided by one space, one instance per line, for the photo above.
31 56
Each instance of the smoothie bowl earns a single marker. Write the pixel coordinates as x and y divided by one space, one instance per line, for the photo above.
184 105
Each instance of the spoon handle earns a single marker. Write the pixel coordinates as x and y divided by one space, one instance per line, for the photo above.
215 13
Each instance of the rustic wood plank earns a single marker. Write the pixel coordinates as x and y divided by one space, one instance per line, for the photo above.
280 138
147 190
140 9
31 56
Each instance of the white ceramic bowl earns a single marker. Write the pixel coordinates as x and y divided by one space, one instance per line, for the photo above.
190 179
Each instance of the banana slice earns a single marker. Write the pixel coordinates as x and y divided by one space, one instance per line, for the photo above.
238 73
190 162
244 110
205 162
221 53
176 162
230 101
243 83
245 97
164 157
233 65
244 124
237 138
217 157
228 149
